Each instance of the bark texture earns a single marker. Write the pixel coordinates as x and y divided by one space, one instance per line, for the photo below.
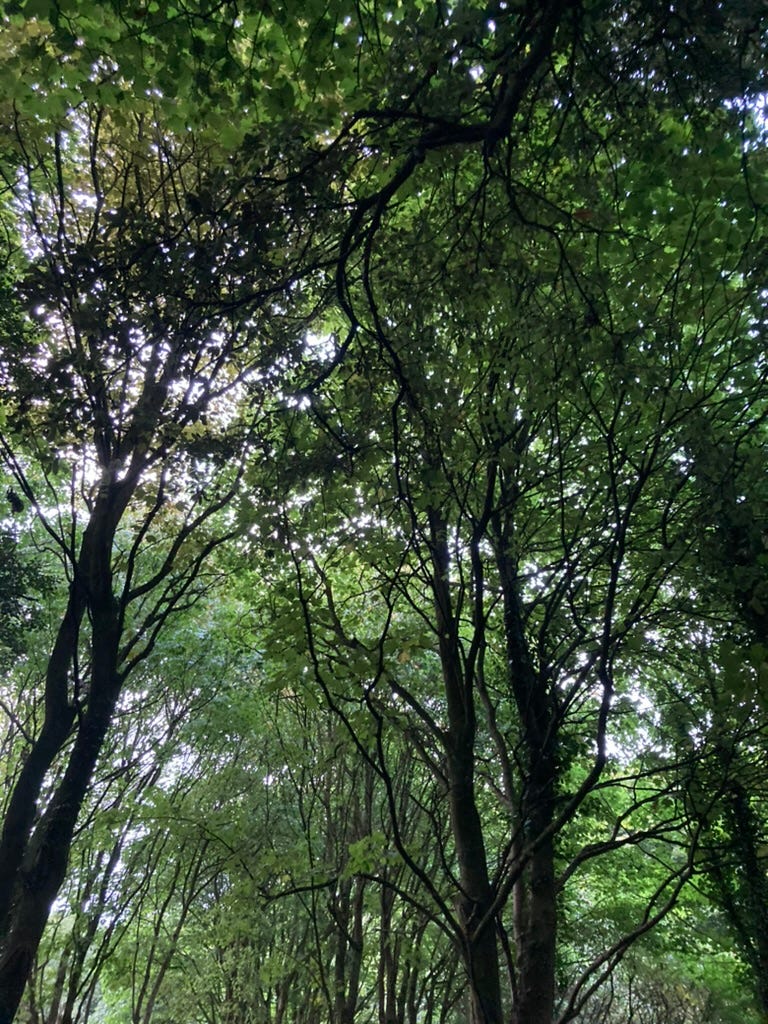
479 946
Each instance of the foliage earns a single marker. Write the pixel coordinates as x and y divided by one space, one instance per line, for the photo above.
22 584
384 393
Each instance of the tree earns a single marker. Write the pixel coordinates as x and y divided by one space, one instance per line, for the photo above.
150 310
512 421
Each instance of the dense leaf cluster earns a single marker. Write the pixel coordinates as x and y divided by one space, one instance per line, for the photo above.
383 395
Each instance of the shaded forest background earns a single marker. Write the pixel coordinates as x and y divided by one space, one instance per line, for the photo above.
383 595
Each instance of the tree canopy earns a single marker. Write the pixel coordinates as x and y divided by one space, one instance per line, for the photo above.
383 558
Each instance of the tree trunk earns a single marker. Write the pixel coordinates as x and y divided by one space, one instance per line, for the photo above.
479 949
535 907
34 856
536 937
386 979
745 895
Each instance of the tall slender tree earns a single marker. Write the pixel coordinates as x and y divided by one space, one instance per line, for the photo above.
153 300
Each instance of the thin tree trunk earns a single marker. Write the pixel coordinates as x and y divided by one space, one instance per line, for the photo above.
536 941
34 856
479 947
44 866
535 908
480 950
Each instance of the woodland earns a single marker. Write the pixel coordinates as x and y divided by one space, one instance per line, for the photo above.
383 512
